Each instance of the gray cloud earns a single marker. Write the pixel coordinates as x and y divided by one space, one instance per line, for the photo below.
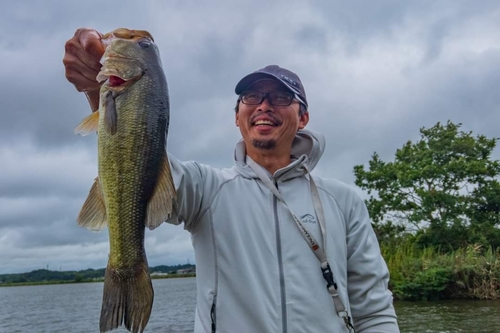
374 72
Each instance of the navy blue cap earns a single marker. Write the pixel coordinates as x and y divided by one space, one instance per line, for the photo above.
288 78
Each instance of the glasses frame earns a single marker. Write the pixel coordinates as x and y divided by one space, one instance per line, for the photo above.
267 95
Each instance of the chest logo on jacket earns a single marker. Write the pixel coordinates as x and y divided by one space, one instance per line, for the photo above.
308 218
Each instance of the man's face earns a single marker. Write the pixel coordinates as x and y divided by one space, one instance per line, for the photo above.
269 127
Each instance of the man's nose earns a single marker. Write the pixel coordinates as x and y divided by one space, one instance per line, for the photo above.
265 105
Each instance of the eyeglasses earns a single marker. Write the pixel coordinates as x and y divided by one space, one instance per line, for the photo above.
276 98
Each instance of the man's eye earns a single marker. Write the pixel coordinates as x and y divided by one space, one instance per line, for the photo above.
252 95
283 97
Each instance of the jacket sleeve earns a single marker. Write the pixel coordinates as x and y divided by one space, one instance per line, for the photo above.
367 274
194 183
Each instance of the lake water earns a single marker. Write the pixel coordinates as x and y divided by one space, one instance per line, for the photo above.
76 308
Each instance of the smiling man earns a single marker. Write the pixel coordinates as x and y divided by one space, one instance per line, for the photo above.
277 250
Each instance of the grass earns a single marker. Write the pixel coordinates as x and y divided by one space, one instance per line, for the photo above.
428 274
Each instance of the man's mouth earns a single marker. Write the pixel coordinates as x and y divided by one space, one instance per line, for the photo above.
264 123
265 120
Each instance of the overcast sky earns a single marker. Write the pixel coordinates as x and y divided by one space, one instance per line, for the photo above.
374 72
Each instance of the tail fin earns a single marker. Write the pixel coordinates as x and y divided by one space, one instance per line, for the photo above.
127 298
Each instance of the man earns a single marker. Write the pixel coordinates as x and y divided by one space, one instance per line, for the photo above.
267 237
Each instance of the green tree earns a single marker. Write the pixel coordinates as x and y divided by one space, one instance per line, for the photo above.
444 188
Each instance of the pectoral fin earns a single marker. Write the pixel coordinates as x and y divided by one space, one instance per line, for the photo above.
162 203
88 125
93 213
110 115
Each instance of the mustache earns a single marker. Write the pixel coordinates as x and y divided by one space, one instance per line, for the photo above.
268 115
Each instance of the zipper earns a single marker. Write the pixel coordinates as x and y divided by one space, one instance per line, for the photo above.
280 263
212 314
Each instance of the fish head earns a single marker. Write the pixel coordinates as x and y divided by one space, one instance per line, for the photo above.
128 55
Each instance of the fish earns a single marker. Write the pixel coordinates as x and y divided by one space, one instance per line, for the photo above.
134 188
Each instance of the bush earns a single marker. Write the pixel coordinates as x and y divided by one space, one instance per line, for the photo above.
426 285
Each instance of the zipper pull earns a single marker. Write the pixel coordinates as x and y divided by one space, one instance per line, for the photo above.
212 314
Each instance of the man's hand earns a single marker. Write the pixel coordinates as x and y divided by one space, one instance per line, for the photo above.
81 63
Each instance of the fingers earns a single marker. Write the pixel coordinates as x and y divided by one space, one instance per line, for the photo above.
82 76
91 42
81 59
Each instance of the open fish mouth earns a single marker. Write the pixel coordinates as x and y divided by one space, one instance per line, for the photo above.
113 77
115 81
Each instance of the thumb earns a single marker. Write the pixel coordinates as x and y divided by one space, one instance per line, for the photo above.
91 43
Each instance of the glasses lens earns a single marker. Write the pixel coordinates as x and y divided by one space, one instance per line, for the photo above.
280 98
276 98
252 97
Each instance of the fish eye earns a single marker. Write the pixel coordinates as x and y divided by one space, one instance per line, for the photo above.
144 44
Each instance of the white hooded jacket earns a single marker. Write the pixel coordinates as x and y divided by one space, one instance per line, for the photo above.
255 272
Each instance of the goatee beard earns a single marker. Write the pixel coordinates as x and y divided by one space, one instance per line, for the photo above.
264 144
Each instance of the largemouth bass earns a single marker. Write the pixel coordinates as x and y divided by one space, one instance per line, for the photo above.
134 187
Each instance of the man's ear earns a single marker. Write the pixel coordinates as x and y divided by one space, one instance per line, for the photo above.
304 119
237 119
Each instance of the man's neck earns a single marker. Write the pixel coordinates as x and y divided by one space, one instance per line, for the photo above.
271 160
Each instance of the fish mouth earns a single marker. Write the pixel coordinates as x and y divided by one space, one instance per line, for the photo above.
118 83
115 81
111 78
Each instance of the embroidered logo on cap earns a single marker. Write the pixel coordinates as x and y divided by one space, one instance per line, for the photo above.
287 79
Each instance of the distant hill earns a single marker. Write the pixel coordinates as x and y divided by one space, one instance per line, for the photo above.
46 276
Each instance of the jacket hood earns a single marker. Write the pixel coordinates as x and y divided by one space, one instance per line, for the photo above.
307 148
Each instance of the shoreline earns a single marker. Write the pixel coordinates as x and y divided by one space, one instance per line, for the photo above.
38 283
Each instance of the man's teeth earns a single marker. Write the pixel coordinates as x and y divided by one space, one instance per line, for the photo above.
264 122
